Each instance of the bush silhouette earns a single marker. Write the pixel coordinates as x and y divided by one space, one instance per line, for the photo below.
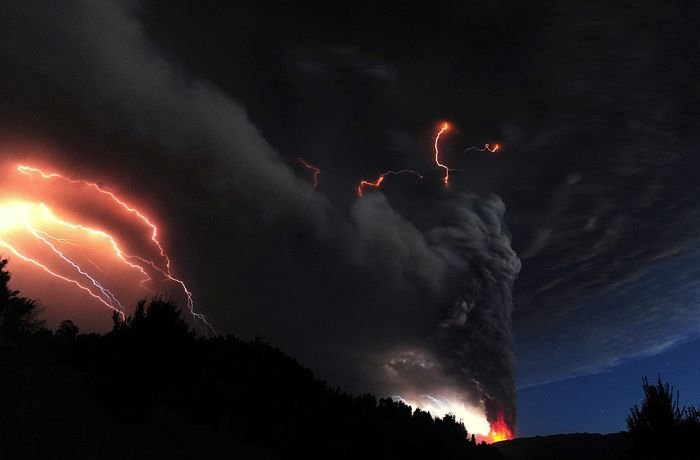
661 428
659 413
142 358
19 316
68 330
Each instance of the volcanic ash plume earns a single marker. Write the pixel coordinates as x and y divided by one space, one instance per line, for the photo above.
477 334
468 364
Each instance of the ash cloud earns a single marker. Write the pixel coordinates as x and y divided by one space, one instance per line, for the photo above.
363 278
97 51
472 348
478 328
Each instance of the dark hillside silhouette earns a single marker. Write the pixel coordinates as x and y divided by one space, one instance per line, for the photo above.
574 446
151 363
658 429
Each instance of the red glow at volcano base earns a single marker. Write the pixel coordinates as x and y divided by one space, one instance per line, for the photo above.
500 431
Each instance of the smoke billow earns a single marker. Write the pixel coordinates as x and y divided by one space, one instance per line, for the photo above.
472 347
434 316
478 328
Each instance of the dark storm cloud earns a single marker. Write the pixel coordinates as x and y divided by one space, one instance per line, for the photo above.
597 109
363 281
598 114
126 83
620 204
385 240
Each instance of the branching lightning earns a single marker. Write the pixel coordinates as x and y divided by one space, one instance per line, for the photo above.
446 179
105 293
316 171
22 215
29 216
493 148
486 148
378 183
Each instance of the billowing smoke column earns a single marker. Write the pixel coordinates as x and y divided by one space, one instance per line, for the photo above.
467 366
477 334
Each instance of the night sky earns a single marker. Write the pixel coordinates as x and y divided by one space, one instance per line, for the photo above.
541 285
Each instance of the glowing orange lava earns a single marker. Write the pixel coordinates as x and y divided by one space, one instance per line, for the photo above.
500 431
317 171
378 183
446 179
28 225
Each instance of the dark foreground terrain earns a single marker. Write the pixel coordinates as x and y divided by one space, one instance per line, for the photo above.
152 388
46 413
567 446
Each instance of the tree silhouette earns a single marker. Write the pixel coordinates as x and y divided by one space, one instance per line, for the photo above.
659 414
145 356
18 315
661 428
68 330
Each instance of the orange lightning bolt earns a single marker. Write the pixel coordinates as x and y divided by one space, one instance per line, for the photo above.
446 179
164 267
317 171
380 179
487 148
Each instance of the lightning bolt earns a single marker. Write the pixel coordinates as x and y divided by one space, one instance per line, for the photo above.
21 215
446 178
487 148
99 233
164 267
106 293
307 165
75 244
378 183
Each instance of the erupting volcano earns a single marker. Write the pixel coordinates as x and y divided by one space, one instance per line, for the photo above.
500 431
